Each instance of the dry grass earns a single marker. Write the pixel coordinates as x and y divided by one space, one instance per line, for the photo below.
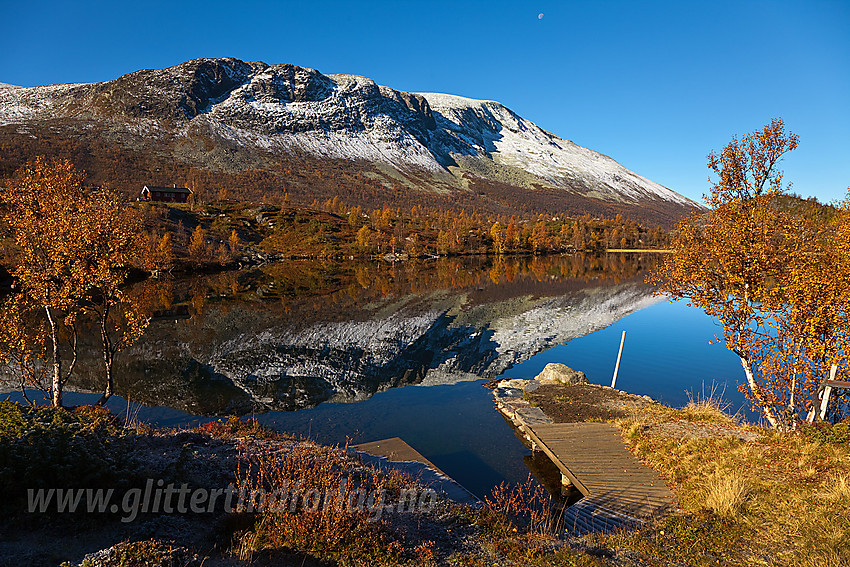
838 490
709 405
726 494
780 500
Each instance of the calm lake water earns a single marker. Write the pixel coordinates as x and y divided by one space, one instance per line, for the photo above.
343 353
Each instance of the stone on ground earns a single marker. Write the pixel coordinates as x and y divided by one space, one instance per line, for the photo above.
557 373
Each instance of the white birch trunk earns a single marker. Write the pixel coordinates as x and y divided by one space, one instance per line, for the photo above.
56 389
751 383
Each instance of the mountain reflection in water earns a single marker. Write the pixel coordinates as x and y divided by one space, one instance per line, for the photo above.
298 335
295 334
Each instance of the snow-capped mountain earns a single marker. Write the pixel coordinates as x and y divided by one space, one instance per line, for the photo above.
486 129
233 116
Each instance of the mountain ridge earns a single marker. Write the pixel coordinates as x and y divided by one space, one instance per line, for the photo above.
238 118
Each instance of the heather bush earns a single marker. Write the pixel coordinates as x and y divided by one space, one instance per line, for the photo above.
49 447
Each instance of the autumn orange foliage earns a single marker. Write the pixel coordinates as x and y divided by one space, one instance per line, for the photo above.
778 282
73 247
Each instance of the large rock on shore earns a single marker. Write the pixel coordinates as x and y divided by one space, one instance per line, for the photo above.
557 373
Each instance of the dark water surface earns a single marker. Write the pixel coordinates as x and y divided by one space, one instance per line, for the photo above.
357 353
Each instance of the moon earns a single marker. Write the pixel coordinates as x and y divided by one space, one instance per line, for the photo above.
540 16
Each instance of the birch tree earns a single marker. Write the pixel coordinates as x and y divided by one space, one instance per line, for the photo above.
42 206
73 249
738 263
113 241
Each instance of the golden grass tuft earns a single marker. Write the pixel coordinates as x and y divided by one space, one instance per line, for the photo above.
708 406
828 545
838 490
726 494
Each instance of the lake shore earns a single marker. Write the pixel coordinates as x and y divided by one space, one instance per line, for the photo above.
192 497
736 484
640 250
689 447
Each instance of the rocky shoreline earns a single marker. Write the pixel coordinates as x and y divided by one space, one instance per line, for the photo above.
216 454
563 395
560 394
172 530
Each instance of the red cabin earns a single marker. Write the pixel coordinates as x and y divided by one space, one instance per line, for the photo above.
173 194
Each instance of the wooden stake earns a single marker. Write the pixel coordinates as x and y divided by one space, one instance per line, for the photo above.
820 410
617 367
827 391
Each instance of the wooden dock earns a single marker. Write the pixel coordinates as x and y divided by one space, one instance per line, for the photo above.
619 491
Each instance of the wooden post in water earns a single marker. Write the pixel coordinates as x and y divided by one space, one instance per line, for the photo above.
617 367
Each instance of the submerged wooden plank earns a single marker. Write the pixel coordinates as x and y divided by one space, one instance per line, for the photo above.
394 449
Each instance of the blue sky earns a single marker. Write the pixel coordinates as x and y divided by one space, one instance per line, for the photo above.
655 85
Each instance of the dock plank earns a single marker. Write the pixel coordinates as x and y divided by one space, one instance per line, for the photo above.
619 490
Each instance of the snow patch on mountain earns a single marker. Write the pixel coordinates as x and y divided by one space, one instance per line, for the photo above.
20 104
508 139
348 120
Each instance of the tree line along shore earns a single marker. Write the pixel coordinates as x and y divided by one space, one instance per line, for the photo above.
72 249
